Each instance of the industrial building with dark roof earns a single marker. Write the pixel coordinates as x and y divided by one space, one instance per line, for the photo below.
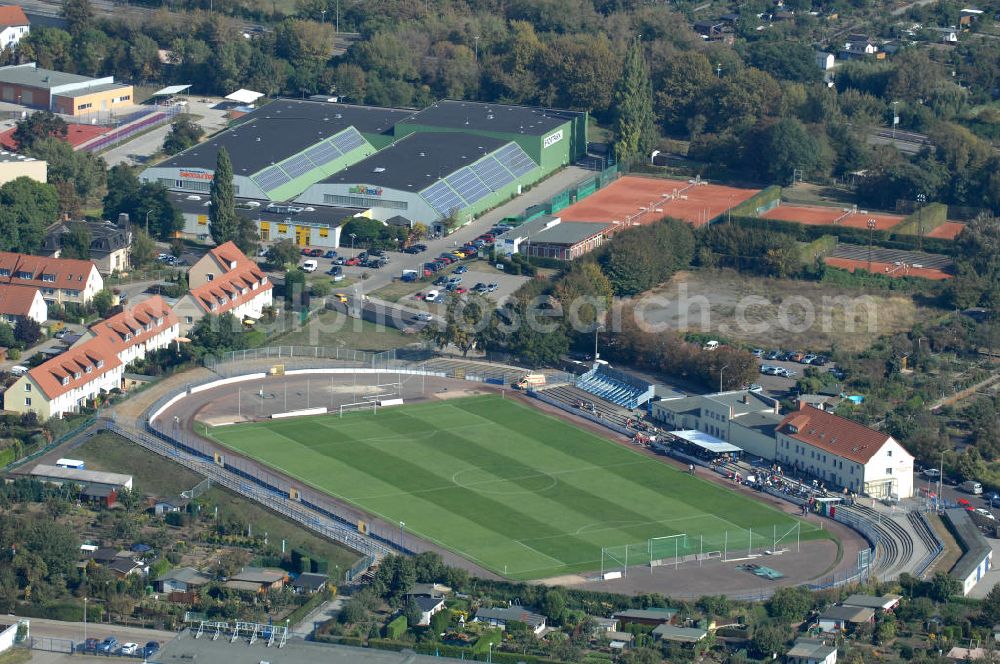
450 159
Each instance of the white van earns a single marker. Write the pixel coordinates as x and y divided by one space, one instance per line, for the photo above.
18 370
972 486
310 266
710 345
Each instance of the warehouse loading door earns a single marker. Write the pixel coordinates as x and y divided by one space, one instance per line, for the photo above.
302 236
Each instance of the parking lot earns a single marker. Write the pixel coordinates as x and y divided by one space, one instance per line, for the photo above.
791 371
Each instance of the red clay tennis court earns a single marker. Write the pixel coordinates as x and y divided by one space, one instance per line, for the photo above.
818 215
949 230
623 199
889 269
76 135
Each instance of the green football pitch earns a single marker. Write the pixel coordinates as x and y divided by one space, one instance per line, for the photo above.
511 488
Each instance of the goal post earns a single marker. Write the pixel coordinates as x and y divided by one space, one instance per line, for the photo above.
360 405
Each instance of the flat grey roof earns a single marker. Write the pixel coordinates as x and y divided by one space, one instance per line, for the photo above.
185 649
268 210
37 77
11 156
81 476
975 548
417 161
763 423
82 92
476 116
281 129
811 649
734 400
569 232
669 632
872 601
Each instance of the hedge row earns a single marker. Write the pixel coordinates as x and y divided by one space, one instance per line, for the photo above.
821 246
926 219
446 650
765 198
886 239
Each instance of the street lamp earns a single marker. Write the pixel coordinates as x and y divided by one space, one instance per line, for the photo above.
322 16
337 28
921 200
721 372
871 232
353 235
147 221
597 328
84 620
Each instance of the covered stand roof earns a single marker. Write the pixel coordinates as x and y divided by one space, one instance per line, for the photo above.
705 441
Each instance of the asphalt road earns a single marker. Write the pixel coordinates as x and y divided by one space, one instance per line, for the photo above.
74 631
379 278
139 149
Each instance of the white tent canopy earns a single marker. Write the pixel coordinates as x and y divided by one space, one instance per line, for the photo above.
705 441
244 96
171 90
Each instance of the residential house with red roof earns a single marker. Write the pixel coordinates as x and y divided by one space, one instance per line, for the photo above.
61 280
96 364
17 302
14 25
224 281
844 454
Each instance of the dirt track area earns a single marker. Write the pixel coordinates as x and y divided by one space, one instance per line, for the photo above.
777 313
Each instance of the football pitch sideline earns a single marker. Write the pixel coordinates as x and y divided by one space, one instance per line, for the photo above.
512 489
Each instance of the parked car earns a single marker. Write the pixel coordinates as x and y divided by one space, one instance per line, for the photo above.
90 645
340 298
461 269
710 345
769 370
376 252
129 648
305 251
353 261
424 317
772 355
985 512
60 334
108 645
492 286
150 648
757 352
330 254
19 370
411 250
454 280
310 266
807 359
819 361
933 473
458 290
441 281
316 253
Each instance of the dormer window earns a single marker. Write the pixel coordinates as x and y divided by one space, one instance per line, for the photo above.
4 272
50 278
90 369
100 363
792 428
65 380
128 336
159 321
24 274
76 375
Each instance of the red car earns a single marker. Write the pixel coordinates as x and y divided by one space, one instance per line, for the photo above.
354 261
963 502
305 252
316 253
459 290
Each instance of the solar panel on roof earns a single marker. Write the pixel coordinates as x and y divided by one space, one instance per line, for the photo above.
297 165
271 178
468 185
515 159
323 153
492 173
440 197
348 140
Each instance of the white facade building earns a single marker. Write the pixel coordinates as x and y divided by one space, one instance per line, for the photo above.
843 453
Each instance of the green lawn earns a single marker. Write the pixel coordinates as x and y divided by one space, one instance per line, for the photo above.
329 328
509 487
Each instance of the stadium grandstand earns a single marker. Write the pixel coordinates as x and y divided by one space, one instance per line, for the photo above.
617 387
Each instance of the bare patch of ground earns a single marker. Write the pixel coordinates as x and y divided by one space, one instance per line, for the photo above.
778 312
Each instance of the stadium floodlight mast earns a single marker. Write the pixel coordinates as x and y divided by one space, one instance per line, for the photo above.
871 232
